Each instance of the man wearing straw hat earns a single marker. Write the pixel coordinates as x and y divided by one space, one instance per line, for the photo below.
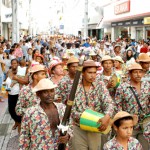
39 124
144 61
65 84
107 63
133 96
94 96
26 97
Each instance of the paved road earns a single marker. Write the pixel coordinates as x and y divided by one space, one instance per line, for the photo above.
8 137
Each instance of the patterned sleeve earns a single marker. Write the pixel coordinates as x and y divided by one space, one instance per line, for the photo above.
60 91
106 147
118 99
107 102
24 139
19 108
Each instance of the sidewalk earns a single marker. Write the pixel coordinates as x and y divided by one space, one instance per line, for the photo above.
8 137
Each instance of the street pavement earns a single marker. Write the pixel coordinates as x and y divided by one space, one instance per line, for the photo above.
8 137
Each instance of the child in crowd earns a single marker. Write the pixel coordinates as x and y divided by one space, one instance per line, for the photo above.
123 124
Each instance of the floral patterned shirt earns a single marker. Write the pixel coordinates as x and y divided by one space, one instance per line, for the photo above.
26 99
126 101
36 133
64 88
146 132
133 144
146 77
97 99
105 79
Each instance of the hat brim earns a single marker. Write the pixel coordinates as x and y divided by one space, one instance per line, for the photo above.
34 90
145 60
135 119
107 59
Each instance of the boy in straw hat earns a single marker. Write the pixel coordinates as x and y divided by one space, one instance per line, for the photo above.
133 96
39 124
123 124
95 96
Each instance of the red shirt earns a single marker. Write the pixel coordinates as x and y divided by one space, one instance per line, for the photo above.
143 50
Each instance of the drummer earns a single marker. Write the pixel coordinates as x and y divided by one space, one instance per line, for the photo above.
107 64
95 96
133 96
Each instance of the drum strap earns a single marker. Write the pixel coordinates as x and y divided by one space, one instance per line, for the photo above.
136 97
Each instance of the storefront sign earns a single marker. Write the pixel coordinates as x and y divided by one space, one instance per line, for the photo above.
122 8
128 23
147 20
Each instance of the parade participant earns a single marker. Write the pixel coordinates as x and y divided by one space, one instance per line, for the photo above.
107 63
56 71
123 124
39 124
95 96
14 92
144 61
65 84
119 65
93 55
26 96
117 50
101 51
133 97
39 58
86 44
18 52
129 57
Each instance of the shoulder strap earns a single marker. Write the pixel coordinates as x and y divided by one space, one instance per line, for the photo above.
136 97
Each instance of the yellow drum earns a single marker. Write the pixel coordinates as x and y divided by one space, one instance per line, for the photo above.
89 119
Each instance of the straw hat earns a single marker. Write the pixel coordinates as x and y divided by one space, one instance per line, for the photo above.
118 58
135 66
44 84
143 57
54 63
123 114
36 68
65 56
92 53
117 45
72 60
106 57
107 43
89 63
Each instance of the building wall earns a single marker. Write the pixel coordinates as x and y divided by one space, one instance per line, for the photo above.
137 11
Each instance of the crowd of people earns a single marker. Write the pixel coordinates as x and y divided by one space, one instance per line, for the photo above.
38 74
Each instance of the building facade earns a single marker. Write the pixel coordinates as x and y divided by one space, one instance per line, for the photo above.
127 19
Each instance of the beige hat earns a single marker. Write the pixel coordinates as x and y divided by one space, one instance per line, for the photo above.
107 43
143 57
92 53
89 63
135 66
106 57
117 45
44 84
123 114
36 67
118 58
72 60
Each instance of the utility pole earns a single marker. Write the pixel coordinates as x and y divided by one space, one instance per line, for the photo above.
15 22
86 19
30 19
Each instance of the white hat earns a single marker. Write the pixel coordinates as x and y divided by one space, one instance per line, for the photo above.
44 84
